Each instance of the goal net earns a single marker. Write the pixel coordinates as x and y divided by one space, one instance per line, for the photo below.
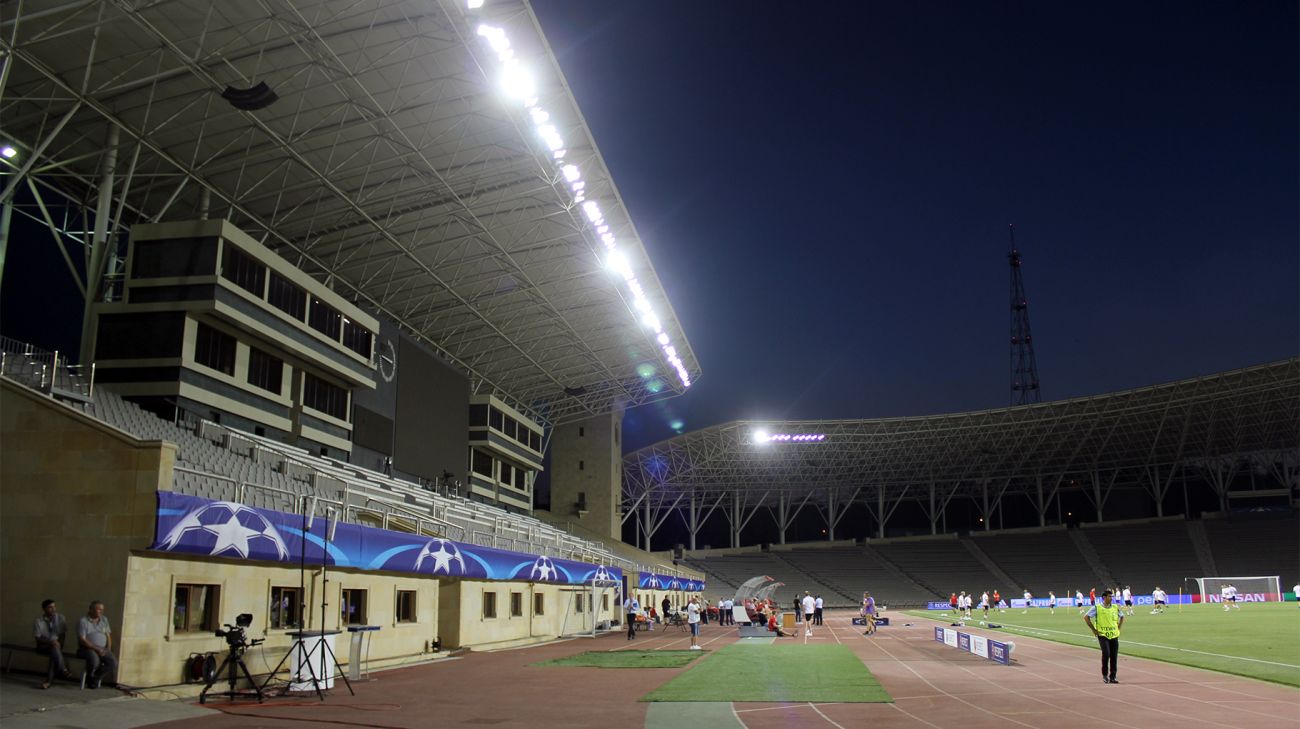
590 608
1249 589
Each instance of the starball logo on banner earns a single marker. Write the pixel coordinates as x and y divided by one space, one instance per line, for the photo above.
192 525
652 581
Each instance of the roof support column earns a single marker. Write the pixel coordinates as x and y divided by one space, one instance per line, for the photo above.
1041 507
832 504
1098 496
735 518
99 245
6 213
693 523
785 517
880 513
987 517
932 515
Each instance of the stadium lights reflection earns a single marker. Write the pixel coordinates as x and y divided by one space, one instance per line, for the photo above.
8 152
761 436
519 84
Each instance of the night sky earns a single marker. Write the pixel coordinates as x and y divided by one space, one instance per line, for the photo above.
825 190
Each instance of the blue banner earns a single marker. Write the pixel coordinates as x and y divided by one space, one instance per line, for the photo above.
652 581
192 525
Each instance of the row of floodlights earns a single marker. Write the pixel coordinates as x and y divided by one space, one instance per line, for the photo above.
518 84
764 437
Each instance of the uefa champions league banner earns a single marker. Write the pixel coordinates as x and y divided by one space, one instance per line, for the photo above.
193 525
652 581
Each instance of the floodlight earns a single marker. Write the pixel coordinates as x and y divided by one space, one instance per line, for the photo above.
761 436
474 4
517 82
8 152
619 263
663 338
571 173
539 115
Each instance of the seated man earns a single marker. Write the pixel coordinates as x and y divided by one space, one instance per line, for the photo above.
772 626
96 637
51 628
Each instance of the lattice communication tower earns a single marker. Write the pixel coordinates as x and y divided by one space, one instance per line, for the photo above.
1024 368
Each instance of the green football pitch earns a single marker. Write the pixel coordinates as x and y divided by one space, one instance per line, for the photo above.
1261 640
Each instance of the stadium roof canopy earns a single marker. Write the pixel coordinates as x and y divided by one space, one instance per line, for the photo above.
1142 438
384 156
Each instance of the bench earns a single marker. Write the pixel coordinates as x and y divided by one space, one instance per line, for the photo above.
11 648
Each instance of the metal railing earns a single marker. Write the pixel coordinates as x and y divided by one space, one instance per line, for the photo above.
45 370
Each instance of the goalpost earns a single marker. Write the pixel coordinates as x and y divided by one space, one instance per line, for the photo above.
1248 588
587 604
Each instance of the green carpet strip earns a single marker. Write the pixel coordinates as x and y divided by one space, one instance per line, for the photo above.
626 659
775 673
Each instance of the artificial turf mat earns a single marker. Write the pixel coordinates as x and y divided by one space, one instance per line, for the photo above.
626 659
776 673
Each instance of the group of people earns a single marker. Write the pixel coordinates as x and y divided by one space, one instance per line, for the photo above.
694 616
94 643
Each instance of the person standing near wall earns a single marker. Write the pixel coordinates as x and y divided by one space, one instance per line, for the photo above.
631 609
1105 621
693 620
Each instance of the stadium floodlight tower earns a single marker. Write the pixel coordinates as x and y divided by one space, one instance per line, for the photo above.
1024 368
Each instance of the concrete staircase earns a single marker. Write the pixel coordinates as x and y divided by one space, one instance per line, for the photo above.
1094 560
989 564
1201 544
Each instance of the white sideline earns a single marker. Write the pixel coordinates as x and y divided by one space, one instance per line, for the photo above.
1029 629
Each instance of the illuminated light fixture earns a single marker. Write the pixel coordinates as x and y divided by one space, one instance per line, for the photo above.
619 263
761 436
518 83
8 152
789 437
474 4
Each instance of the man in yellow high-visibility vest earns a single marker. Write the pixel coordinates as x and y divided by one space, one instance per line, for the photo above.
1105 621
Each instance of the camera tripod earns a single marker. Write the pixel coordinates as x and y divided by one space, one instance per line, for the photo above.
232 665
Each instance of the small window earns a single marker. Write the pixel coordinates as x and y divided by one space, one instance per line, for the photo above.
357 338
406 606
516 604
214 349
577 603
286 606
535 440
196 608
507 474
582 465
539 604
352 608
242 270
519 478
582 432
482 464
604 602
264 371
323 318
284 295
321 396
478 414
489 604
494 418
510 427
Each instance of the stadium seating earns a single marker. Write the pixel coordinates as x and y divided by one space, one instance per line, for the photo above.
940 564
1256 545
1039 562
1145 555
853 570
217 462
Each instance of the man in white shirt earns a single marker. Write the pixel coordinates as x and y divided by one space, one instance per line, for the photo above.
96 644
1158 599
1028 604
1078 601
1232 596
1295 591
817 607
1128 599
631 608
1223 597
984 605
727 609
809 609
1051 601
693 620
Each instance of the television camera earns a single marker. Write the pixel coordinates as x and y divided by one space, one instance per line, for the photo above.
236 635
237 641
